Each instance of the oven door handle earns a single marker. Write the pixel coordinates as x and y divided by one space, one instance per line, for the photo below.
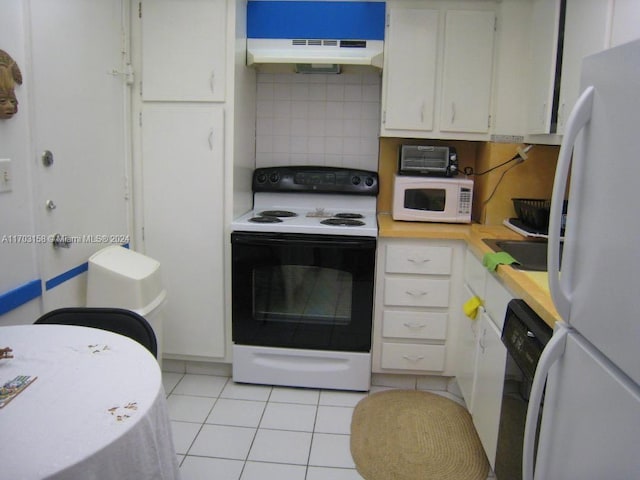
305 240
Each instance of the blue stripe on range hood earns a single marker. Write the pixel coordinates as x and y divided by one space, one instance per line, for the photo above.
317 20
315 32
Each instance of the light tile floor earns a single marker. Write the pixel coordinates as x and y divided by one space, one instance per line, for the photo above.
231 431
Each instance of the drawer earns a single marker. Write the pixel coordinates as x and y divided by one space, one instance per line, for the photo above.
420 325
475 274
407 356
416 292
424 260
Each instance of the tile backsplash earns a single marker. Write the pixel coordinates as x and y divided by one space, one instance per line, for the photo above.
318 119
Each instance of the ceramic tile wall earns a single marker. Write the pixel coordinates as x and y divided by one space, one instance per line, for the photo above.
318 119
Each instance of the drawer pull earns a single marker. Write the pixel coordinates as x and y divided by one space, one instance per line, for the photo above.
414 325
419 261
416 293
413 358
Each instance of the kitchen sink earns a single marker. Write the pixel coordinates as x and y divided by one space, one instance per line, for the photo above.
530 254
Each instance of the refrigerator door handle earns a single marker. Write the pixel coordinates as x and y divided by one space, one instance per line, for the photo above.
551 353
579 117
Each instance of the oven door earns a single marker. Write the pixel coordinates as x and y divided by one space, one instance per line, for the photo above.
302 291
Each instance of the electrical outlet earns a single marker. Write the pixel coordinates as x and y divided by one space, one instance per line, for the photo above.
6 178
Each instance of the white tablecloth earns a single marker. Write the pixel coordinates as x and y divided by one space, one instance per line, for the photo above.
96 411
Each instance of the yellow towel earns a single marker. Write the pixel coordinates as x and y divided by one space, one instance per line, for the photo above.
470 307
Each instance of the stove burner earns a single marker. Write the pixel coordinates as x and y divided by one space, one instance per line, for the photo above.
348 215
342 222
277 213
265 219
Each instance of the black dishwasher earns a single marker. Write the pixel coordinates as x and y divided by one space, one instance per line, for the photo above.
525 335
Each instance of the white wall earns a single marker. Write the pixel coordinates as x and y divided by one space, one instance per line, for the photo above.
318 119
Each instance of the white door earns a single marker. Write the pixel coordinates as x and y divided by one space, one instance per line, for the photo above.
183 174
467 71
544 42
183 50
487 398
79 115
585 32
410 69
591 419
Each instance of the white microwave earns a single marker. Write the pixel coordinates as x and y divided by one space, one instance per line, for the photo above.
432 199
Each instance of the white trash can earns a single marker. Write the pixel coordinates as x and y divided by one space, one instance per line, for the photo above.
121 278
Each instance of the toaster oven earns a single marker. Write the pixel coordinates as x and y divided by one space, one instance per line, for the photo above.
426 160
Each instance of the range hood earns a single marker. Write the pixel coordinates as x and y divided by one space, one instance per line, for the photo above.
317 34
315 51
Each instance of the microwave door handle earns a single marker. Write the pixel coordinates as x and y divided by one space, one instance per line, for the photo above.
579 117
551 353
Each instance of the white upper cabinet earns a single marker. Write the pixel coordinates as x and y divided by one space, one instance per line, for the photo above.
625 22
185 61
544 47
409 75
585 32
563 32
438 71
467 71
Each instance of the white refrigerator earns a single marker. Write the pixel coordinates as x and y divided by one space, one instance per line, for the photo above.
590 427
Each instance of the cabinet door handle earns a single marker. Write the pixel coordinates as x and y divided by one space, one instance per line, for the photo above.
453 112
413 358
212 81
481 341
422 107
414 325
210 139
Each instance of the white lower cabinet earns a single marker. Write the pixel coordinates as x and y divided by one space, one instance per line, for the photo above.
487 395
416 283
466 356
183 166
480 354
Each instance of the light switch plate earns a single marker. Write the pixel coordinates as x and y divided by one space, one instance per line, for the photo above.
6 177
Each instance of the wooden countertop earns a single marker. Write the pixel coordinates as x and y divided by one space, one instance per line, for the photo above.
530 286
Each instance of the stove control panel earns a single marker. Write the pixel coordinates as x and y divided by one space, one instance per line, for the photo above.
312 179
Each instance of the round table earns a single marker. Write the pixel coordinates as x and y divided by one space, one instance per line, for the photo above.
97 409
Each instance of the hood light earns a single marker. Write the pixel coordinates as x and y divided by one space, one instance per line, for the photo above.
317 68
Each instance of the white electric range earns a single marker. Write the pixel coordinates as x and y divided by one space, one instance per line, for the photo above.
303 268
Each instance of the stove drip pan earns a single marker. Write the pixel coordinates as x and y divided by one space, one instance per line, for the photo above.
265 219
349 215
342 222
278 213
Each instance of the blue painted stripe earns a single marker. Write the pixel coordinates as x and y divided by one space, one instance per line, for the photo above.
312 19
20 295
68 275
24 293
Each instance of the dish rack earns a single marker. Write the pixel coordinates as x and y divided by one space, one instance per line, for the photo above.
534 212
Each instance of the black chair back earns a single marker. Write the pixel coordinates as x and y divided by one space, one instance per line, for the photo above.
117 320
